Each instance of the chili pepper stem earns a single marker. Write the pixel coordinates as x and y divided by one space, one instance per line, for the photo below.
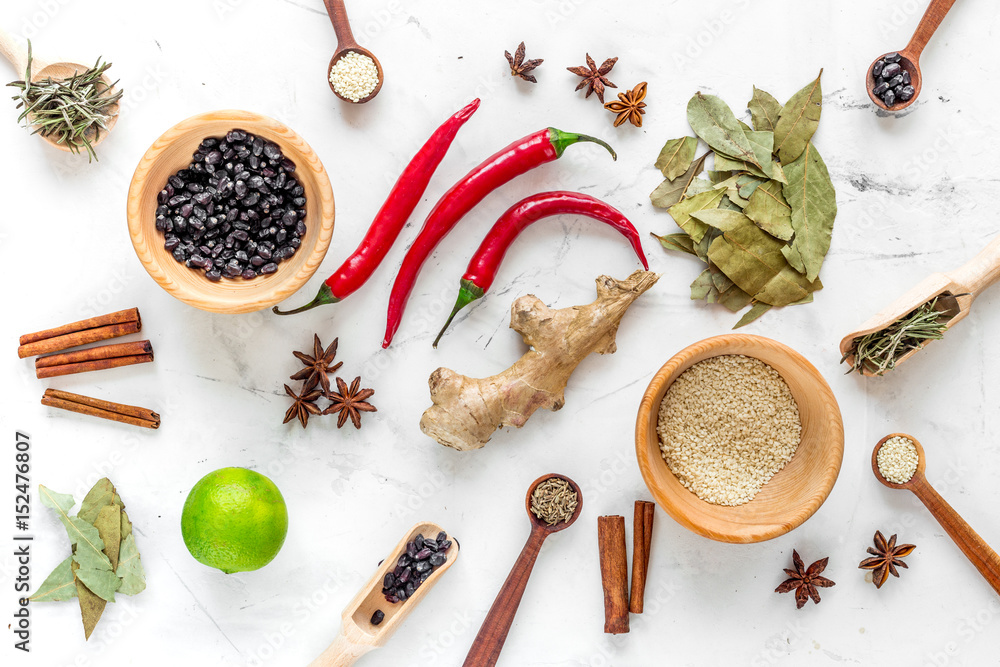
324 296
467 293
561 140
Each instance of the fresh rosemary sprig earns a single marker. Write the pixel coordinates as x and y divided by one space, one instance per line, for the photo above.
73 111
879 350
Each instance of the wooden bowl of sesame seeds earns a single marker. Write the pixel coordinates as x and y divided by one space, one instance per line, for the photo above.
794 493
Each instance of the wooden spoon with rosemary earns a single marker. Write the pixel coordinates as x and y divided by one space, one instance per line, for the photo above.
71 106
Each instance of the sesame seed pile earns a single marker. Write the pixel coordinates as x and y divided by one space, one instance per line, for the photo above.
726 426
897 459
354 76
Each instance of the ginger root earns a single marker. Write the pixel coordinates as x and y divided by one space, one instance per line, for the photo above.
467 411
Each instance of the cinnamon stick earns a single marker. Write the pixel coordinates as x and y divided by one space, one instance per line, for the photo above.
642 536
95 407
94 359
86 331
614 572
95 353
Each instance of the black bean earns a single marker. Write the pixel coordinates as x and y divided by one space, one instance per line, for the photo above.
249 274
269 268
437 559
377 617
240 235
251 199
202 198
241 189
889 98
161 223
271 151
891 70
171 242
892 57
880 89
423 566
906 93
877 68
423 554
215 157
288 165
256 181
410 588
280 237
389 580
392 598
264 252
445 545
895 81
214 275
177 200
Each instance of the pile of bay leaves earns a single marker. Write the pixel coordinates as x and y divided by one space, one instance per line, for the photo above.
763 217
105 559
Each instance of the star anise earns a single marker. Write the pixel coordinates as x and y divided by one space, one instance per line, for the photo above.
886 557
804 581
304 403
318 365
594 77
519 66
349 402
629 106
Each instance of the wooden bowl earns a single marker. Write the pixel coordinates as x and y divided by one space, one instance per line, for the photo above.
172 152
794 493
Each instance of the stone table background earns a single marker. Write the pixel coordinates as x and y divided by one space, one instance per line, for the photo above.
916 195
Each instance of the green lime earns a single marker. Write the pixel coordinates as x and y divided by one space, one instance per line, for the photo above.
235 520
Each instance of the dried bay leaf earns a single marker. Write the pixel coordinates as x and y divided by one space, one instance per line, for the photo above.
798 121
726 165
59 585
130 570
676 156
762 144
703 287
734 298
769 210
681 212
91 605
103 493
764 110
788 287
670 192
747 184
109 527
102 583
714 122
813 201
126 525
755 312
679 241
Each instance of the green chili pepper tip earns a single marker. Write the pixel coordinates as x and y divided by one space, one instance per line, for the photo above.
467 293
560 140
324 296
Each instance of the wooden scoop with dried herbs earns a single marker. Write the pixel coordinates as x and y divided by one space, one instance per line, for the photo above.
879 351
71 112
105 559
763 218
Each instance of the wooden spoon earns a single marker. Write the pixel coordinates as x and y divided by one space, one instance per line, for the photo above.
972 545
910 56
12 50
489 642
346 44
357 634
956 291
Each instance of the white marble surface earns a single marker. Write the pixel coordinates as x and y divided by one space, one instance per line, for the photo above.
916 195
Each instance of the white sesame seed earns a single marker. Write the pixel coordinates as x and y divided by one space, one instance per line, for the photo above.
726 426
897 459
354 76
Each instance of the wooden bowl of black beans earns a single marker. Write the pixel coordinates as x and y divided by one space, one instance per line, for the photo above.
230 211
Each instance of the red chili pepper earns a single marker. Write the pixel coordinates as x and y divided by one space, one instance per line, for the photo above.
521 156
391 218
484 264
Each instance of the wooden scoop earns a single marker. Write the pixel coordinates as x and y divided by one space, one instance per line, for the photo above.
357 634
972 545
345 44
956 291
910 56
489 642
12 50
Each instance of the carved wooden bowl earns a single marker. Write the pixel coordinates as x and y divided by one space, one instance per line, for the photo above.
172 152
794 493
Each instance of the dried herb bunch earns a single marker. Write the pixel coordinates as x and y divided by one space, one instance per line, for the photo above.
73 111
886 557
804 581
879 351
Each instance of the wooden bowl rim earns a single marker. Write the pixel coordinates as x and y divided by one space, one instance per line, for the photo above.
160 266
732 531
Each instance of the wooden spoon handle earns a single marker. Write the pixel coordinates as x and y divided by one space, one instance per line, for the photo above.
486 648
972 545
341 653
341 24
981 271
935 13
11 49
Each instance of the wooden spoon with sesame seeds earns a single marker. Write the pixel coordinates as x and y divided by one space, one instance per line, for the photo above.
492 635
346 44
972 545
